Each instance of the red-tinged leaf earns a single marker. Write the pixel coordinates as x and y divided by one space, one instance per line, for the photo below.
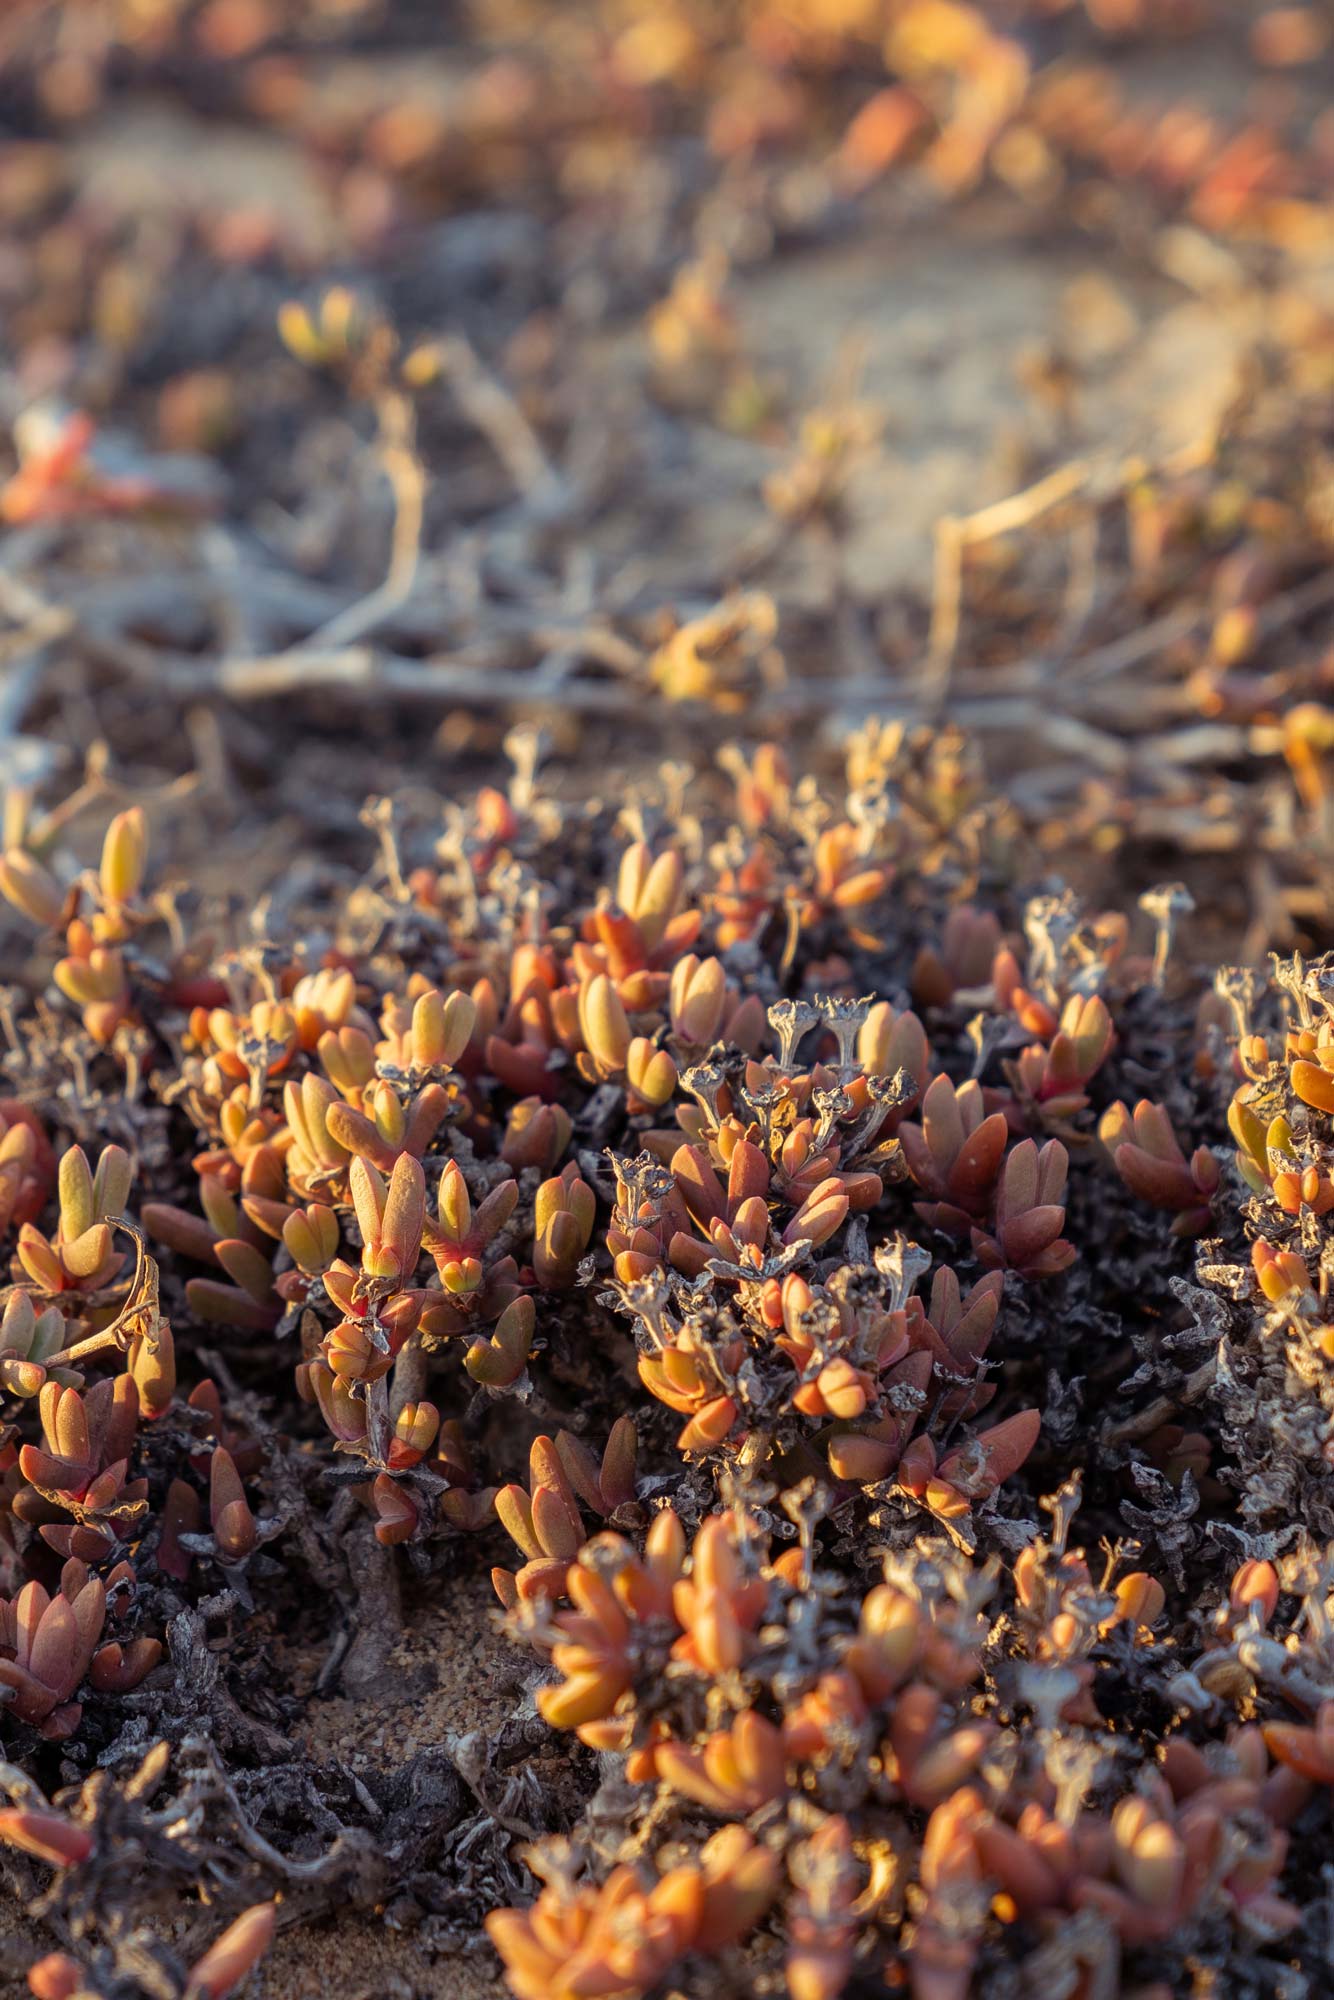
228 1305
942 1124
116 1669
57 1658
945 1217
747 1174
556 1524
396 1512
862 1460
268 1216
247 1267
1315 1086
913 1372
863 1191
53 1474
237 1952
545 1578
48 1836
709 1426
515 1513
1053 1170
505 1587
229 1511
1064 1069
1027 1235
425 1118
1019 1182
556 1256
84 1543
405 1212
1058 1257
1006 1446
102 1492
180 1516
688 1255
968 1336
819 1216
492 1215
750 1224
60 1724
56 1977
917 1156
545 1469
698 1184
987 1251
617 1474
369 1195
89 1252
917 1465
65 1421
1165 1183
234 1531
116 1425
188 1235
1301 1749
89 1605
581 1469
1153 1131
974 1171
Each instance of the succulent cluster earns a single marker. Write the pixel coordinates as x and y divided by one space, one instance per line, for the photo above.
923 1762
860 1165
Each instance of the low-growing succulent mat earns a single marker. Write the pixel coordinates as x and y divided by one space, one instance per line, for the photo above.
664 676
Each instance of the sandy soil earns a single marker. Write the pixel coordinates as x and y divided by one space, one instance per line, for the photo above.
944 336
